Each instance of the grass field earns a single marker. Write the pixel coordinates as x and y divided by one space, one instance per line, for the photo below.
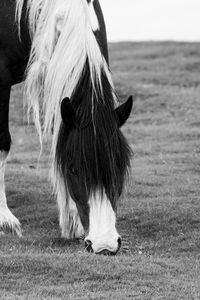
159 217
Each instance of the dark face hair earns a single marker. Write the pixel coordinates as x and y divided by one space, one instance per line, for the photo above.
92 153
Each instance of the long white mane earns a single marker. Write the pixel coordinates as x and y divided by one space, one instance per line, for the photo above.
62 41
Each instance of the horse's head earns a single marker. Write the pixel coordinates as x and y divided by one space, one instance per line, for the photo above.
93 157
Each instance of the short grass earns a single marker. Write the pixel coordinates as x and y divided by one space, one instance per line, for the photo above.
159 217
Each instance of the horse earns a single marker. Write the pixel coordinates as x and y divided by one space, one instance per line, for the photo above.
59 49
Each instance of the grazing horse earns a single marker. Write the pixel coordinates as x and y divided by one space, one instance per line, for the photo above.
59 48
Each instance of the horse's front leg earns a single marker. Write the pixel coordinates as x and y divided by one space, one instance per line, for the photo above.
69 220
8 221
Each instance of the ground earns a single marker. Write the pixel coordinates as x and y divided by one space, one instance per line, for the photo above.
159 216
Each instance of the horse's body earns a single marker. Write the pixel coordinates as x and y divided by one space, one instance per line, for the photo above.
83 197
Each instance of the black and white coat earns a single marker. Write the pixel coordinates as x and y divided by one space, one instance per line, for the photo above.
62 44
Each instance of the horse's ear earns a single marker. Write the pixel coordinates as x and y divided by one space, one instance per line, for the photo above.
124 110
67 113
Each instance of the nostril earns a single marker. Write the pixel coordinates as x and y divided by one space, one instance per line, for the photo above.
88 246
119 241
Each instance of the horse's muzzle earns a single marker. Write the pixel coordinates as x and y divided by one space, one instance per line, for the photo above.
106 252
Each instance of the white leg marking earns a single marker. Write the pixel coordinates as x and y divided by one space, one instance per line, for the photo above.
102 220
93 17
70 223
7 219
62 201
75 226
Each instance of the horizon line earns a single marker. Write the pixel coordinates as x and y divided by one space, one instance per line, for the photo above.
153 41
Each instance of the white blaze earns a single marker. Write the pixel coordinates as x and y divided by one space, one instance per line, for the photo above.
102 221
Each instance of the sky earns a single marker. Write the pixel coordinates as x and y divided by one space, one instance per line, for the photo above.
141 20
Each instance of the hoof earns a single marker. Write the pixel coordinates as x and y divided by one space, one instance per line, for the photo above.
9 223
